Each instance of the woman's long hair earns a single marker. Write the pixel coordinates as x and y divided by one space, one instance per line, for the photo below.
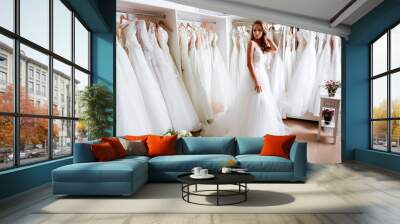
264 44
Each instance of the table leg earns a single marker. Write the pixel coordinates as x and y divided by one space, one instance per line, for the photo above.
217 194
196 187
245 192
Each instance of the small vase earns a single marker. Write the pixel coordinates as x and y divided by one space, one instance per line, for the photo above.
327 119
331 93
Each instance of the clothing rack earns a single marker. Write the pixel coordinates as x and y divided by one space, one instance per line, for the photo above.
142 13
194 21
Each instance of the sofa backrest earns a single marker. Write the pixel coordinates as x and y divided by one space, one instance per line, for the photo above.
83 152
206 145
249 145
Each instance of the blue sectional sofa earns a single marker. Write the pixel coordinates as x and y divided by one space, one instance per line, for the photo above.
125 176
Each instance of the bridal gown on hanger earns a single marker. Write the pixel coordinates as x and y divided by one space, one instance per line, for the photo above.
132 115
322 72
277 70
336 60
153 98
193 85
181 111
233 64
301 86
221 84
252 114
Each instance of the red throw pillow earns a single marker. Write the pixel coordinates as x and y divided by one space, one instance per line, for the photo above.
161 145
116 145
277 145
103 152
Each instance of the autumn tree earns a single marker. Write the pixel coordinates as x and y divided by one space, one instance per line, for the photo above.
33 131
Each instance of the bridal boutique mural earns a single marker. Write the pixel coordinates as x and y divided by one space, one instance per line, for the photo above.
210 74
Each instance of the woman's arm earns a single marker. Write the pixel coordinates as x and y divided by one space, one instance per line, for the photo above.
250 52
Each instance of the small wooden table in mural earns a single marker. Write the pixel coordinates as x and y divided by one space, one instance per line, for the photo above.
238 179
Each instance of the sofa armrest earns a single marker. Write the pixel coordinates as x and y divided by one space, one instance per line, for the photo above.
83 152
298 155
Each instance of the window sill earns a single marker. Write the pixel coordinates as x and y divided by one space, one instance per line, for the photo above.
25 167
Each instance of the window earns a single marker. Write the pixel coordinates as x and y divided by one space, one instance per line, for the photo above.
6 74
385 94
47 75
7 14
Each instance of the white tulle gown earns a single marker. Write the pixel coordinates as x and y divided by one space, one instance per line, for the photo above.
322 72
192 82
181 111
336 59
277 71
299 92
221 83
252 114
233 64
132 116
153 98
204 101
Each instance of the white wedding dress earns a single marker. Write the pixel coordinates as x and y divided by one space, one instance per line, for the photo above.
300 88
252 113
322 72
132 116
221 83
181 111
277 71
234 60
153 98
202 102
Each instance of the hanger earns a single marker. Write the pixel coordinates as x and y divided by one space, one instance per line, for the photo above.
165 26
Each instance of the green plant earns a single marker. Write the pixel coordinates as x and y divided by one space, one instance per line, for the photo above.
96 102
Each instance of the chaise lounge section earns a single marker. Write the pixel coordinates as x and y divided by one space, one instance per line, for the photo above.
125 176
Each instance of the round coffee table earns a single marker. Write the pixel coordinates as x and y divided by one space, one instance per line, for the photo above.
238 179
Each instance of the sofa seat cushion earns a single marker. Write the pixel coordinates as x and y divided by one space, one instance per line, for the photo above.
185 163
257 163
112 171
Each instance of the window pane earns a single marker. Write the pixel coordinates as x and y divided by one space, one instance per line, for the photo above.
62 29
379 97
379 55
395 95
7 14
81 45
81 131
395 136
35 21
33 139
395 47
81 81
34 72
62 138
6 74
6 142
62 89
379 135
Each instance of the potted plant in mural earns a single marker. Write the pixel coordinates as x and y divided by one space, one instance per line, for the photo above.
327 114
332 86
96 102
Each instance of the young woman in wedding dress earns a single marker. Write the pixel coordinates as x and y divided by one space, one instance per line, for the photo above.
153 98
254 112
132 116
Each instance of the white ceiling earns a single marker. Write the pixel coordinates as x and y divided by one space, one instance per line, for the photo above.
320 9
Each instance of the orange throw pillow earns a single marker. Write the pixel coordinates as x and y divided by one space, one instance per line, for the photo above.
136 137
116 145
103 152
161 145
277 145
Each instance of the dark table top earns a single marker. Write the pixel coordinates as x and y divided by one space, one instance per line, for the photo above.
220 178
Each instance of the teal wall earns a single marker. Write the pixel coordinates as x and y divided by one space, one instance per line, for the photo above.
99 16
356 97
